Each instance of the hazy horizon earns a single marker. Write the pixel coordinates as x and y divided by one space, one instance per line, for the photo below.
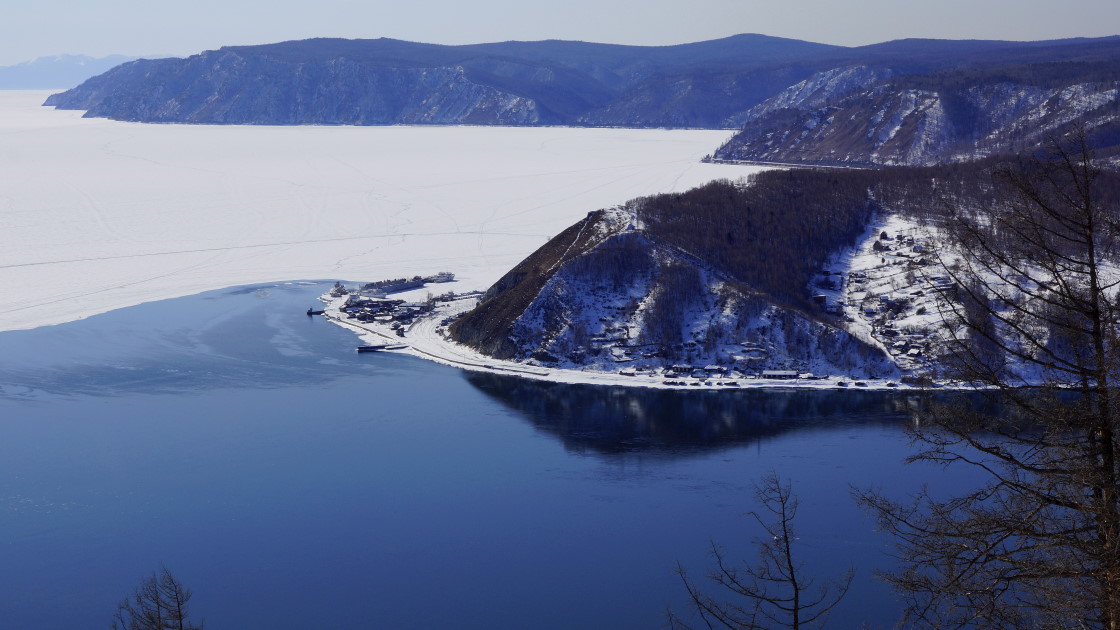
164 55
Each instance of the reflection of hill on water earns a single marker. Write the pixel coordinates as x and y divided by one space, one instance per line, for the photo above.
622 419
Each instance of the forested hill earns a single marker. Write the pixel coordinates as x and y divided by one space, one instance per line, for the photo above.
677 277
762 272
709 84
864 116
765 239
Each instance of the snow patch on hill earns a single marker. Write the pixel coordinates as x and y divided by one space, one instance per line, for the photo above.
887 124
632 303
818 89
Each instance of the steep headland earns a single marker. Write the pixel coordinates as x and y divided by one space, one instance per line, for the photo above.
698 277
833 272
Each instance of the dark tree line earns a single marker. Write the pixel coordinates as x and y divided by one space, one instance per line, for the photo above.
772 232
775 230
1049 74
1037 545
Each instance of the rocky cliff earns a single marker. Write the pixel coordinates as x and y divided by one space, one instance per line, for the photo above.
862 116
198 90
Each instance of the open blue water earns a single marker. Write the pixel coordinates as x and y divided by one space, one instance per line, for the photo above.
292 483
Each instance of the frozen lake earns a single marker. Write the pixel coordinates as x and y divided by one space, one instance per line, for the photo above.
98 214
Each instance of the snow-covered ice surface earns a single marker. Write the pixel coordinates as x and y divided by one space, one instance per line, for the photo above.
97 214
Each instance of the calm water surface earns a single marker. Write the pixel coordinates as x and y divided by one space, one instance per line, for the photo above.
292 483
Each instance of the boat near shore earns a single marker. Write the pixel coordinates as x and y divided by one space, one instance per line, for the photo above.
382 346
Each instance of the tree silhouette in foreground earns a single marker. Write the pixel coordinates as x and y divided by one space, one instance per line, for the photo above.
160 603
775 592
1037 545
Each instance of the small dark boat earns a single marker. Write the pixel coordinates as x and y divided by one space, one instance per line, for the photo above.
311 312
382 346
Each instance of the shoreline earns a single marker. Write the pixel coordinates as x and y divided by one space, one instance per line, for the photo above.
880 294
423 339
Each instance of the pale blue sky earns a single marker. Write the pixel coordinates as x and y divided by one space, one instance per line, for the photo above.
138 27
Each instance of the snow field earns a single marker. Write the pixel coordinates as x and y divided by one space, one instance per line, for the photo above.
97 215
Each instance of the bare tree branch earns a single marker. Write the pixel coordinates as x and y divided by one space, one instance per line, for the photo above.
776 592
1038 544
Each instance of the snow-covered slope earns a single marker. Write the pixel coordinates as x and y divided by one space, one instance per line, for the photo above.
610 293
765 276
921 121
816 91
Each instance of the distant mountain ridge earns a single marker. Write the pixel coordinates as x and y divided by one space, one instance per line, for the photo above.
56 72
384 81
711 84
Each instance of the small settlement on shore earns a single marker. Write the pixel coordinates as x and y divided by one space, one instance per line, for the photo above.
391 316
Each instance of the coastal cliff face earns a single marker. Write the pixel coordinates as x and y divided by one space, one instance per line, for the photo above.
377 82
816 91
638 286
862 117
923 100
198 90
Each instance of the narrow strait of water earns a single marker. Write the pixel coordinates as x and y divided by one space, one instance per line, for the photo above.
292 483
